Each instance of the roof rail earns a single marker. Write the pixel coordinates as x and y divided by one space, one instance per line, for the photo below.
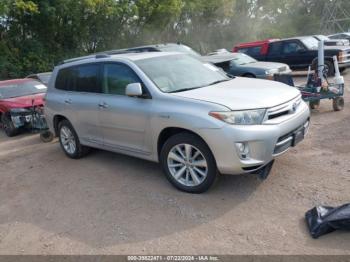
104 54
98 55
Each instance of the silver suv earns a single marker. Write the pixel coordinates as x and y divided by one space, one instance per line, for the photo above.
173 109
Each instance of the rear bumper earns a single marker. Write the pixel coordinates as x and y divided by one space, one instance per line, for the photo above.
265 142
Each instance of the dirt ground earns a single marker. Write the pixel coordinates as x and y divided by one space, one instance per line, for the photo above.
113 204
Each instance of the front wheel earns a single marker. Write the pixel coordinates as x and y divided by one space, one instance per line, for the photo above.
188 163
8 126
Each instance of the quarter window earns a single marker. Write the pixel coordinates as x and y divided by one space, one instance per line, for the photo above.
84 78
116 77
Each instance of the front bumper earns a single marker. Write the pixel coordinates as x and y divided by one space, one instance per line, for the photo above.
29 118
345 64
265 142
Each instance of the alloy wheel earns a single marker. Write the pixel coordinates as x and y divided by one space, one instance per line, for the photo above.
68 140
187 165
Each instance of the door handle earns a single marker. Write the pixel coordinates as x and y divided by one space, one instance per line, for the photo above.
103 105
68 101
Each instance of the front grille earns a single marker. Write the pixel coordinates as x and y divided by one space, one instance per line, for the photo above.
285 109
272 116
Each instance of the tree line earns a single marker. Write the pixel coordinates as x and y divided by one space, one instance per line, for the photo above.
37 34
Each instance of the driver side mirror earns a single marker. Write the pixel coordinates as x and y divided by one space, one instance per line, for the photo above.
134 89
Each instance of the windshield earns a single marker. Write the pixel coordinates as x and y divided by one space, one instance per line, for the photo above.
22 89
242 59
177 73
310 42
179 48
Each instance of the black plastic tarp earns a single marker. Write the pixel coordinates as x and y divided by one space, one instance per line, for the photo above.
322 220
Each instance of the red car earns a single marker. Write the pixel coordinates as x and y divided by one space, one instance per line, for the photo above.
18 98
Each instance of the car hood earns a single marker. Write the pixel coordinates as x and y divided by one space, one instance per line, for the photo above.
23 101
266 65
244 93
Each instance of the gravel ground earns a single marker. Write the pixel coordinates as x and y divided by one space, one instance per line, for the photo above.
113 204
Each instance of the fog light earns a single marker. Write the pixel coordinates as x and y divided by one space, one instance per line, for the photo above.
242 149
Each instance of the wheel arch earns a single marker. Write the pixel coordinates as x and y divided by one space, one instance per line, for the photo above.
56 120
251 75
168 132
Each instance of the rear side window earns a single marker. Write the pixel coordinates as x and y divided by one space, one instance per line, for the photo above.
84 78
116 77
275 48
252 51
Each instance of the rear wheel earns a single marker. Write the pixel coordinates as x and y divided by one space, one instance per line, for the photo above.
188 163
69 141
8 126
338 103
46 136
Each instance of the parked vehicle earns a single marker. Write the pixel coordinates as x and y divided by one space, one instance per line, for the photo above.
221 58
17 100
42 77
345 35
297 52
174 109
239 64
331 42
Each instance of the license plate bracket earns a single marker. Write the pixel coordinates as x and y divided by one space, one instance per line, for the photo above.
298 136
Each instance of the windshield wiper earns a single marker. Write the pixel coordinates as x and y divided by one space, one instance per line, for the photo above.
185 89
191 88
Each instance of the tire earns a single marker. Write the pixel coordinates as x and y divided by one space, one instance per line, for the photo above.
69 141
314 104
8 126
193 178
46 136
329 66
338 103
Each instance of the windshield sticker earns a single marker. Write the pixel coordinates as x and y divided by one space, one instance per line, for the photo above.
40 86
211 67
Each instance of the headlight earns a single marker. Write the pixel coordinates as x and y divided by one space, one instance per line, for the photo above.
271 71
246 117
